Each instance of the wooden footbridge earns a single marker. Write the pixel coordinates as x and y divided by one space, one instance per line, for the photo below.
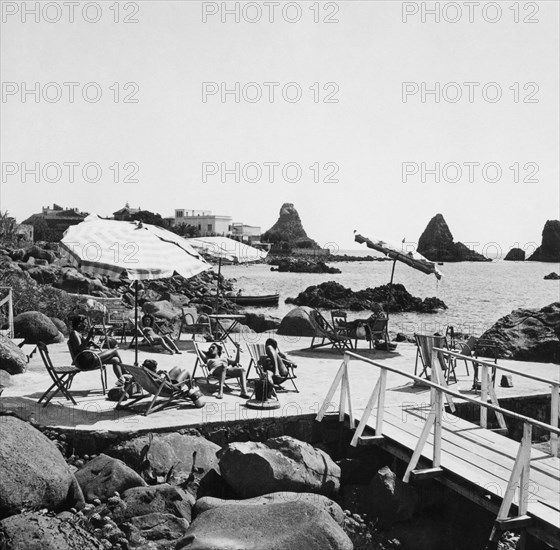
518 483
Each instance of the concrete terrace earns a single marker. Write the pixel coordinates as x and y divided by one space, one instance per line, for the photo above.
316 371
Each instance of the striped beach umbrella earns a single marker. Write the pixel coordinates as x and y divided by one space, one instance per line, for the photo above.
136 250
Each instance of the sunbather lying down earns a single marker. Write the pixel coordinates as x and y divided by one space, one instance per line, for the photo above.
178 376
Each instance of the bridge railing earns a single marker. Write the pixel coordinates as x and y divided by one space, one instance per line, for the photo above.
439 391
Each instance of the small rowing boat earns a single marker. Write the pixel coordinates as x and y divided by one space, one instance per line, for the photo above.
266 300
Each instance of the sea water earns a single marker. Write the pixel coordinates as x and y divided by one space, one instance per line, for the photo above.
477 294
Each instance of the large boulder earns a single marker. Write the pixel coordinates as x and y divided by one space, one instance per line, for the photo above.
12 359
162 498
156 455
35 327
526 335
277 526
297 323
389 500
162 529
33 531
279 464
104 475
261 323
549 250
162 310
39 254
436 244
43 274
71 280
515 255
33 472
330 506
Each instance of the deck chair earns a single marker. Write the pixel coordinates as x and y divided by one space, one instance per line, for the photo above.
62 377
147 340
256 351
339 321
201 362
328 335
102 370
425 352
377 328
153 384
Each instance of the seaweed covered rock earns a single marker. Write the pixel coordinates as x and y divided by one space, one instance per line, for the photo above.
33 531
12 359
437 245
33 472
279 464
526 335
549 250
332 295
36 327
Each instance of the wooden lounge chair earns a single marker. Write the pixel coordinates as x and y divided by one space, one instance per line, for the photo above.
256 351
156 385
425 352
96 358
201 362
328 335
144 339
62 377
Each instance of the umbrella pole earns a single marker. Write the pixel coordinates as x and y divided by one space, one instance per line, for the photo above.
136 323
218 285
390 289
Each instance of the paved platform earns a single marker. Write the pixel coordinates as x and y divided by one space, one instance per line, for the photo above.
315 372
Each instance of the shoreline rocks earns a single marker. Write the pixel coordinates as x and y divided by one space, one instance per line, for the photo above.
552 276
303 266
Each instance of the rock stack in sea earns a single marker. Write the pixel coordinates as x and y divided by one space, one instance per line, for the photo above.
549 250
437 245
288 232
515 255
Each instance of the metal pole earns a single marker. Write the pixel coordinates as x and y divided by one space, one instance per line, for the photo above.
136 322
390 294
218 285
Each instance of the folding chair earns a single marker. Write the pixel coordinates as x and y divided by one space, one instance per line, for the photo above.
62 377
328 334
256 351
147 339
201 362
99 365
377 328
191 320
156 385
425 352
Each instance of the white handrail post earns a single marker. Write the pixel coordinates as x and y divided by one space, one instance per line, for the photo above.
343 391
367 412
554 413
438 404
526 461
483 395
381 402
332 390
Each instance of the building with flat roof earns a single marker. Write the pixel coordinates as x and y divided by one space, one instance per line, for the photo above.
206 222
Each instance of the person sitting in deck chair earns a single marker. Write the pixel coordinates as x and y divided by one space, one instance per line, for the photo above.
156 339
222 368
78 343
276 362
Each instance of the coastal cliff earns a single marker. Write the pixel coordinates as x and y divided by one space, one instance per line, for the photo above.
437 245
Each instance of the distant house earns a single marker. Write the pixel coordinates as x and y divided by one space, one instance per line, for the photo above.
126 213
51 223
245 233
24 232
206 222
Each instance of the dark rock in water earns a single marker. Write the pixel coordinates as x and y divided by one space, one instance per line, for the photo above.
332 295
104 475
389 499
35 327
12 359
332 508
526 335
155 456
304 266
33 472
162 498
279 464
436 244
283 526
297 322
288 230
515 255
552 276
163 529
549 250
33 531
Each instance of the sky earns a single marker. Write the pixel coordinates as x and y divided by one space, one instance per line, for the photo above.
319 104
